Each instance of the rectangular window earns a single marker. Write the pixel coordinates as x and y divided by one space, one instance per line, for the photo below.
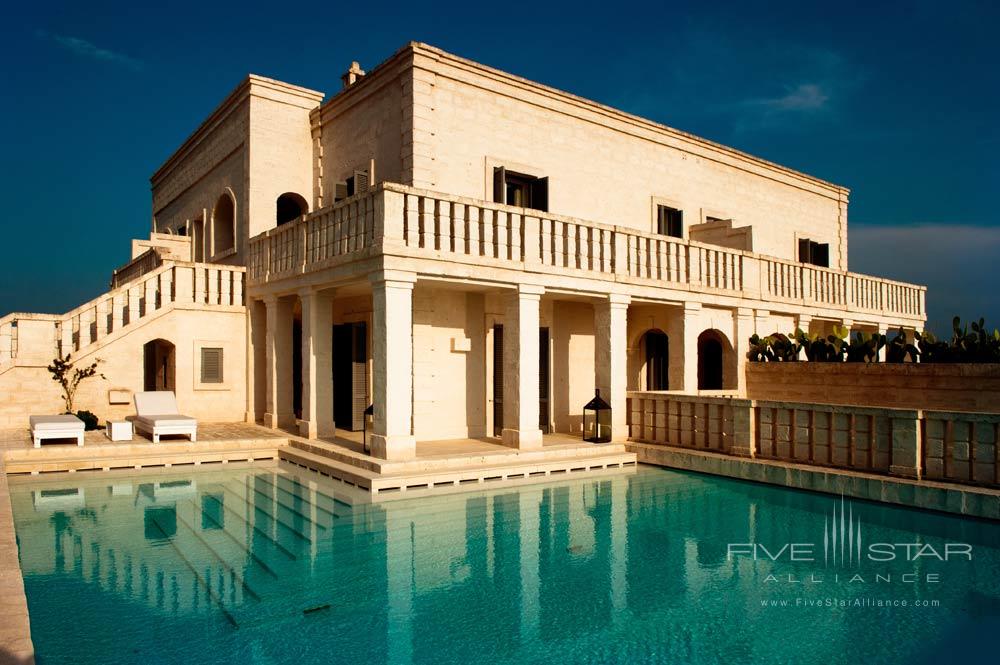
521 190
211 365
669 221
814 253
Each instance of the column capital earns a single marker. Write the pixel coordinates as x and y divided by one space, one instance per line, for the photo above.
619 299
270 300
692 308
530 290
743 313
847 323
400 279
762 313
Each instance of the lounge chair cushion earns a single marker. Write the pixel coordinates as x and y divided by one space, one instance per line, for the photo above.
167 420
48 423
155 403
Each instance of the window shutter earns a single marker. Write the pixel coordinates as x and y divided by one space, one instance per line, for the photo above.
342 190
211 365
499 182
543 379
675 225
821 254
359 375
805 255
540 194
360 182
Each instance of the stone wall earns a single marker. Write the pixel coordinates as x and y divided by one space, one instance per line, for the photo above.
947 387
603 164
28 389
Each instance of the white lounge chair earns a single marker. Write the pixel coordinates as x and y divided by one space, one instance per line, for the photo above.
56 427
157 414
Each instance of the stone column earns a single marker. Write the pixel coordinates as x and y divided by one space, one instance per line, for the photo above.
520 369
278 350
743 328
392 360
691 330
611 358
883 330
317 365
906 444
256 360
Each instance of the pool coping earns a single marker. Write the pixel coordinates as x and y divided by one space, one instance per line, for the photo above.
963 500
16 647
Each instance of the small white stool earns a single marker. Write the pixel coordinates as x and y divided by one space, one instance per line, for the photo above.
119 430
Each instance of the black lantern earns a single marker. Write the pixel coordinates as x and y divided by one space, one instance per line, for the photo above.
597 420
366 423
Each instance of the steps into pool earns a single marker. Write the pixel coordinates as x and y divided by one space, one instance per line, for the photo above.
454 472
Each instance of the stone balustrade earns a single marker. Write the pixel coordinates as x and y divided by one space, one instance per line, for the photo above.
930 445
35 338
403 221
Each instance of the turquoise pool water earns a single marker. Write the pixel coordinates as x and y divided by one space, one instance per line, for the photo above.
277 565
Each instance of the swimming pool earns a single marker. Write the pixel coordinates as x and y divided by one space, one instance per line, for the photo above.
278 565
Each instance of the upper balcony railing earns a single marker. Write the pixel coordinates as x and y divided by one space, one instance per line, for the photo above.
403 221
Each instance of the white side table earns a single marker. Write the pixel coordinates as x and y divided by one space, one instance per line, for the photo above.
119 430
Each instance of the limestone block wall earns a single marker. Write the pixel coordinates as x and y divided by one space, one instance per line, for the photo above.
449 369
948 387
369 121
280 156
29 389
603 164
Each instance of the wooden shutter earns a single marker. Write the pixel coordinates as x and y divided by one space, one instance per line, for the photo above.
540 194
359 375
499 184
805 255
543 379
497 380
360 182
821 254
211 365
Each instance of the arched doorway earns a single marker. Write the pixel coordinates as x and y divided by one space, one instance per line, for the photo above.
290 206
158 365
223 225
655 348
711 345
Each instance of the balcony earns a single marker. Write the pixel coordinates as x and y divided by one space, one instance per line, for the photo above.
468 235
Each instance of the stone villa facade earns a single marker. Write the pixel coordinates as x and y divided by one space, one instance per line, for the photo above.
470 252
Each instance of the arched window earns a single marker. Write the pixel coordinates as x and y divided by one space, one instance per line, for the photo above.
223 225
197 240
290 206
656 349
713 352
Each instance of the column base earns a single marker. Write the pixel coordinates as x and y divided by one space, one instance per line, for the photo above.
741 451
311 429
522 439
904 471
393 447
276 421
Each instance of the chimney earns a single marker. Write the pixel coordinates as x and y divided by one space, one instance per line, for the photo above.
353 74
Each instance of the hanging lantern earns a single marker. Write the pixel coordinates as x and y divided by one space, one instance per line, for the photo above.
597 420
366 425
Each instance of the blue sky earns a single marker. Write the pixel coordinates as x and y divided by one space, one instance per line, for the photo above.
898 102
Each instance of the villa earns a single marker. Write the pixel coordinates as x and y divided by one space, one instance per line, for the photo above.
470 252
388 311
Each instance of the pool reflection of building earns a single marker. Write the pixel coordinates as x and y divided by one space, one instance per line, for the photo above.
543 563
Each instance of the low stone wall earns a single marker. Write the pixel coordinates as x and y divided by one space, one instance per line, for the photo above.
949 446
946 387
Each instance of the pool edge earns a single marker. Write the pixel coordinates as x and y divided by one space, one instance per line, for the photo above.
16 646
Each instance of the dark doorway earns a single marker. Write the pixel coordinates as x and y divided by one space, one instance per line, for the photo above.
709 361
158 365
657 346
297 368
497 380
350 375
543 379
544 374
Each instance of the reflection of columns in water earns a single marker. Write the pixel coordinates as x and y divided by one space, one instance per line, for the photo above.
399 586
314 521
618 561
530 500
